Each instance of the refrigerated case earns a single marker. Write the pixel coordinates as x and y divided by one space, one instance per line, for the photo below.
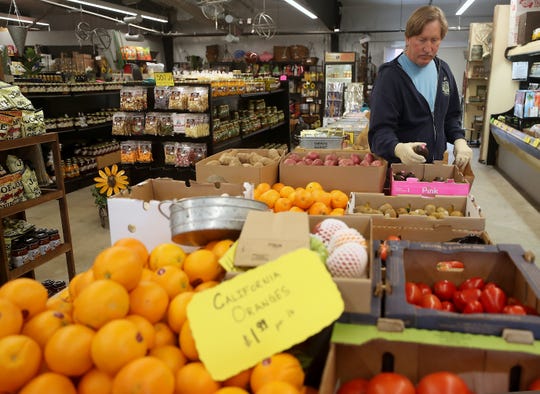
339 70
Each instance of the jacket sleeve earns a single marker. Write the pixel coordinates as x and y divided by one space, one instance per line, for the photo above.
453 127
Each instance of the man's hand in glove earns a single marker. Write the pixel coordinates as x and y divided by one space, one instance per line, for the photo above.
405 152
462 153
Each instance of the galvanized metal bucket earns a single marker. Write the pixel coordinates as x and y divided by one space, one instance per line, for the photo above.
196 221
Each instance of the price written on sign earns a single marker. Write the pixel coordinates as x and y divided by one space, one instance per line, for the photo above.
263 311
164 79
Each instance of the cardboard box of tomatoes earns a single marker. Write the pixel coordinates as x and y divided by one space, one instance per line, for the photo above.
479 289
426 360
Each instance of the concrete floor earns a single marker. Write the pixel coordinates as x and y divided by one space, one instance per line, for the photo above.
509 219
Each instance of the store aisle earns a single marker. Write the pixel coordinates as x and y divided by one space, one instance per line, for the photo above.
509 219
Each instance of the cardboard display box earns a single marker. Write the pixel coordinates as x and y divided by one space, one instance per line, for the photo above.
454 184
136 212
347 179
502 264
473 219
487 365
238 174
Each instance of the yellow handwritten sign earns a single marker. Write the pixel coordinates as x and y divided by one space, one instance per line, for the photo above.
164 79
535 142
527 139
263 311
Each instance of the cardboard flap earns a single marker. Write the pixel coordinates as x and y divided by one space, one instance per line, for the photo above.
266 235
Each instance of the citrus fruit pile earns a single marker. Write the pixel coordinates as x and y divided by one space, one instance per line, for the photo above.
122 327
312 198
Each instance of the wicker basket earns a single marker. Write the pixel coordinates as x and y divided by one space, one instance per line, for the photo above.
298 52
281 54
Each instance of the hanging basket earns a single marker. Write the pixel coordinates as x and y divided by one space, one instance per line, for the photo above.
18 35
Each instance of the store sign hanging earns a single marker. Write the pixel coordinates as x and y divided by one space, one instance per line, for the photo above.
164 79
263 311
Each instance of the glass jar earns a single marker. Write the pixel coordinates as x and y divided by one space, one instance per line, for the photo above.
43 239
54 239
19 255
33 248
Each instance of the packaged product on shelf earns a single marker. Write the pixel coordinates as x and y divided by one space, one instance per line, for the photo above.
198 99
30 184
151 123
189 153
33 123
136 123
179 123
144 152
11 190
161 97
165 124
12 98
197 125
128 152
10 127
133 98
179 98
2 171
169 153
119 124
14 164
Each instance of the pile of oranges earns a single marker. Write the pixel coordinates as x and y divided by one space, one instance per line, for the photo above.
122 327
312 198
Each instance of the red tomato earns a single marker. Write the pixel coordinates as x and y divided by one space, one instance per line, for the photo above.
535 385
393 238
514 310
431 301
473 307
448 306
472 283
493 298
354 386
444 289
383 251
390 383
442 383
425 289
463 297
413 293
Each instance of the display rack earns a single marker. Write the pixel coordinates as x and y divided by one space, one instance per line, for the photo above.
55 192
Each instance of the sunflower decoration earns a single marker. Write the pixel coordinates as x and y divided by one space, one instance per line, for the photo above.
110 181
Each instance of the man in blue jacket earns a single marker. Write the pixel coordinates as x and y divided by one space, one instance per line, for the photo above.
415 100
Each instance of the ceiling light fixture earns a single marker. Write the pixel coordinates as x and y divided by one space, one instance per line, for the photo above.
120 10
464 7
83 11
302 9
22 19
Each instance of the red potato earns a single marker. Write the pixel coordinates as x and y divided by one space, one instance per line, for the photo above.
376 163
312 155
295 156
329 162
332 157
307 161
355 157
365 163
317 162
368 157
345 162
289 161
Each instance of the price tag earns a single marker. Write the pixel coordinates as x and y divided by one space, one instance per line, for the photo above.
527 139
535 142
164 79
263 311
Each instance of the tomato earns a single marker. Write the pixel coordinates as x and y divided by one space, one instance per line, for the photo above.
442 383
514 310
448 306
444 289
535 385
383 251
431 301
353 386
473 307
493 298
393 238
463 297
425 289
390 383
475 282
413 293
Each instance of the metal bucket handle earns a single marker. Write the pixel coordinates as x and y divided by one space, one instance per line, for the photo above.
163 213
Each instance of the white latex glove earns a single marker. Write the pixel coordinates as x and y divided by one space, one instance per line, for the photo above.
462 153
404 150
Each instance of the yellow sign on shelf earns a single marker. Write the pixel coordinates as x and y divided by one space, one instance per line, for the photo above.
264 311
164 79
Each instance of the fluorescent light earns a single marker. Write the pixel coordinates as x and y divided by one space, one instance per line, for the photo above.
464 7
83 11
302 9
122 10
23 19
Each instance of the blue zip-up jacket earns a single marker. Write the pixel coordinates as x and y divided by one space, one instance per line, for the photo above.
399 113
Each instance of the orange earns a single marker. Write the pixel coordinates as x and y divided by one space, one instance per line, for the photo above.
206 285
292 196
29 295
145 328
282 366
163 335
49 382
79 283
61 302
173 279
311 186
149 300
339 199
187 342
194 378
240 380
286 191
95 382
278 387
42 326
261 188
322 196
20 360
11 318
282 204
147 274
68 350
278 186
116 344
231 390
177 311
210 245
269 197
101 301
119 263
221 247
319 208
166 254
146 375
136 245
202 266
337 212
296 209
171 355
303 198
